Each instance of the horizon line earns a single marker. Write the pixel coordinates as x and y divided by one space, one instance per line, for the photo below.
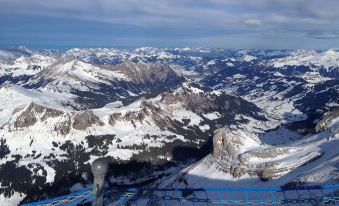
66 48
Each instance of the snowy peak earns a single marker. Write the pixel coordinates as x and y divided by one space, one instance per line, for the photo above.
27 65
15 97
328 59
84 83
24 49
74 71
98 55
248 58
12 54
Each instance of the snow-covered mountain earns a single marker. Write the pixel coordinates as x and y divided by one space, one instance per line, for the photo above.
11 54
288 94
247 160
173 125
154 111
328 59
90 83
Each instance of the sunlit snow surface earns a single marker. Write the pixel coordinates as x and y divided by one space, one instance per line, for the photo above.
328 59
14 200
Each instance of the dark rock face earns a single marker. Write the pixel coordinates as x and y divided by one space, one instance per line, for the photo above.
132 116
25 120
76 120
113 118
266 174
195 102
327 119
29 116
85 119
149 74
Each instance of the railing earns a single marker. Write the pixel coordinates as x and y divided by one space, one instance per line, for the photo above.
294 195
77 198
284 195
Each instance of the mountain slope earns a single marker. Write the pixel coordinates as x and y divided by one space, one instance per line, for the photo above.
310 160
96 85
176 125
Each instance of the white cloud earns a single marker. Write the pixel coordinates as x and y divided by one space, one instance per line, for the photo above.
278 18
182 13
252 22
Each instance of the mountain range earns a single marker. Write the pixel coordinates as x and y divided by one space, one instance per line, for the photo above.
184 117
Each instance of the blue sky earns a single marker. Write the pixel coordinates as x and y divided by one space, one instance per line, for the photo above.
64 24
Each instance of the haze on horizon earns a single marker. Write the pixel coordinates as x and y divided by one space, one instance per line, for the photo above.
63 24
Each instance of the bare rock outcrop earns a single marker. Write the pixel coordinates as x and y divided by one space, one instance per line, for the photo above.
33 113
131 116
191 101
232 142
142 73
148 109
113 118
85 119
238 153
327 119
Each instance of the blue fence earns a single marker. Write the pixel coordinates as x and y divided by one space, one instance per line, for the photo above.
285 195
